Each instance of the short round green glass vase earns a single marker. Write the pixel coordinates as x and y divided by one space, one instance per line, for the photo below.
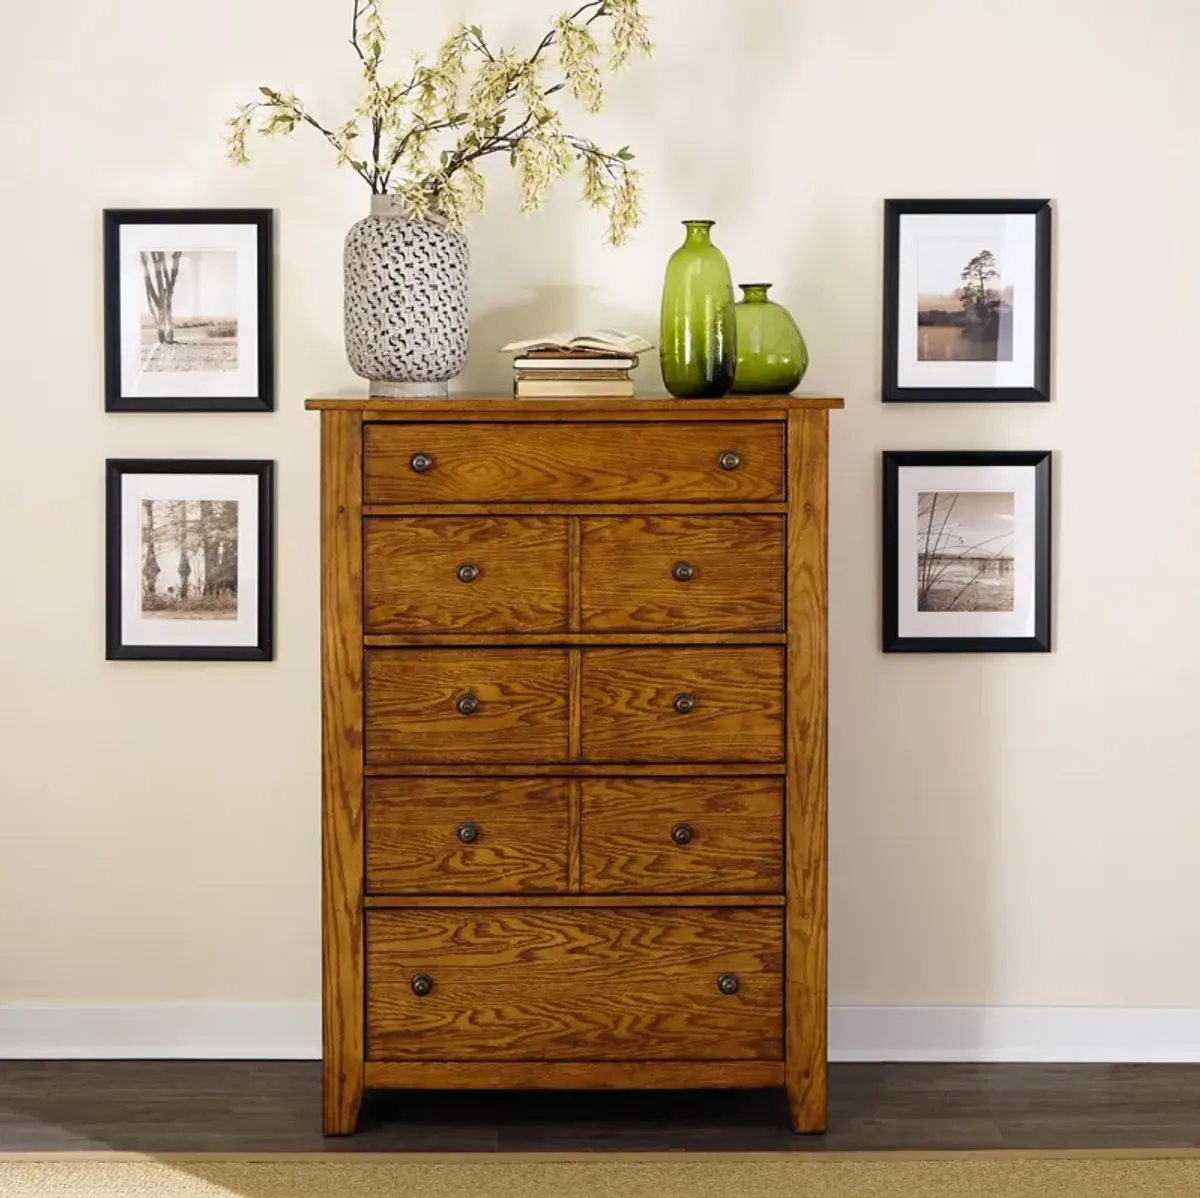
771 354
698 342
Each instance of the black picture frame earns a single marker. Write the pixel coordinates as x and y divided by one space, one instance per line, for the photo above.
894 211
263 220
116 649
1041 462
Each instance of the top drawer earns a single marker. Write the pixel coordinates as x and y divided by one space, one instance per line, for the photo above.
573 463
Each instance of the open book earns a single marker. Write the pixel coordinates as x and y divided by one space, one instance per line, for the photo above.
609 341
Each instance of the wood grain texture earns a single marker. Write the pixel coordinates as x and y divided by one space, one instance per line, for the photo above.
575 702
342 771
807 837
413 844
413 585
736 844
660 769
517 508
573 462
575 985
736 584
573 1075
484 639
575 837
412 713
574 575
629 713
477 406
573 901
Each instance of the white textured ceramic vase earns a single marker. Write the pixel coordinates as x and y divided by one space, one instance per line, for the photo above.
406 302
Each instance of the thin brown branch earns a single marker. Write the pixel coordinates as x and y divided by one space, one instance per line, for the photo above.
333 141
552 36
354 31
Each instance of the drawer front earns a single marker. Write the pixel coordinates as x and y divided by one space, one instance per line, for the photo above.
460 836
570 463
468 706
581 984
466 574
647 705
703 836
683 574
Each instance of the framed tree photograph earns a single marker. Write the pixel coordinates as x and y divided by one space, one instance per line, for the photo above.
966 301
966 552
188 313
190 560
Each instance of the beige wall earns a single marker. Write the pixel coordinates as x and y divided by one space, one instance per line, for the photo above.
1004 830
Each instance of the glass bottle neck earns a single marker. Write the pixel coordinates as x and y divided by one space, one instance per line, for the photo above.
698 231
755 293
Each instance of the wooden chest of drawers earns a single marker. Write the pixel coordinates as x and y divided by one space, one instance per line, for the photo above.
574 688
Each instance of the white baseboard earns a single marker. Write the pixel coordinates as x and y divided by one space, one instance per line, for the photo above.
1048 1034
233 1031
202 1031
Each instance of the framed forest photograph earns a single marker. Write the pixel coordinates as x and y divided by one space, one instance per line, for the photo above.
967 305
190 560
966 552
188 314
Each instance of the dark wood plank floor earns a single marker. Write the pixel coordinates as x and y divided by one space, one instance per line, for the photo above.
217 1106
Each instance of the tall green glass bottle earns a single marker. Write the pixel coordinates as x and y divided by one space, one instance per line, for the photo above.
698 341
772 356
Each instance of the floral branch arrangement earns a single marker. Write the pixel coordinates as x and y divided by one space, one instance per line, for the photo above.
422 138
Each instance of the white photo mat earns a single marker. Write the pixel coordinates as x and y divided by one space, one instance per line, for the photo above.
137 629
241 239
1016 235
913 481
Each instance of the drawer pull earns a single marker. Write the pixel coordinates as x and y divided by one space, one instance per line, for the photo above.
422 984
681 834
683 571
685 704
467 704
468 833
727 461
727 983
421 463
468 572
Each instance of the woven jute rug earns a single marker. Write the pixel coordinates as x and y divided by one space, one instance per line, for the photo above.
690 1175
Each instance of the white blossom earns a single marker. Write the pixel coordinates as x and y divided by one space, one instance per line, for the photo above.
424 136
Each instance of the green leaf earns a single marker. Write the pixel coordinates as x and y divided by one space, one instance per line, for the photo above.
512 158
266 91
624 154
475 29
445 157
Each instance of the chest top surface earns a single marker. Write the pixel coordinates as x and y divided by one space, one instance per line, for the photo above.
470 407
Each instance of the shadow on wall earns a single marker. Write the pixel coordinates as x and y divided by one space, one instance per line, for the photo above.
548 309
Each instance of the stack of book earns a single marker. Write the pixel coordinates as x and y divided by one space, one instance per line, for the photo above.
594 365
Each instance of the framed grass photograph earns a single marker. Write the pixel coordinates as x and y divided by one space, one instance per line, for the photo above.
188 313
966 301
190 560
966 552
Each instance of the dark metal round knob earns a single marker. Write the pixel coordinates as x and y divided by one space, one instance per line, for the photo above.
468 572
468 704
468 833
685 704
420 462
683 571
682 834
728 983
729 460
422 984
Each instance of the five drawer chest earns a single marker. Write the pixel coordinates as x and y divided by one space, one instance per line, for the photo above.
574 746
